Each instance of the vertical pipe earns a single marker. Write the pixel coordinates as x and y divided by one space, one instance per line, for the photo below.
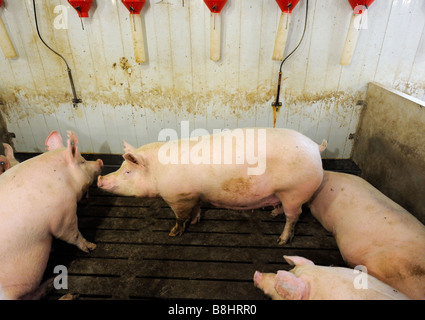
138 38
215 36
282 36
350 41
5 43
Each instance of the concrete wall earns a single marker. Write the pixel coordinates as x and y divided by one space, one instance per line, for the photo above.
390 146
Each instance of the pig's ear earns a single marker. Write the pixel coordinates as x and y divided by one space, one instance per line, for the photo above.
135 159
128 147
4 164
8 151
298 261
54 141
72 149
289 286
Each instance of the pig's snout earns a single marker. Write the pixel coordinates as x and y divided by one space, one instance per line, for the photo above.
258 277
97 167
104 183
100 163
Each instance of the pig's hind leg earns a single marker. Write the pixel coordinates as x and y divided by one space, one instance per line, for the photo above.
292 216
292 209
40 291
196 214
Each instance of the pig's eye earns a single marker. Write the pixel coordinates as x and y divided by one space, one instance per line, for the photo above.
83 161
127 172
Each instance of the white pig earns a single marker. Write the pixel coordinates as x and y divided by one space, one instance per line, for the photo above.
8 161
372 230
310 282
38 200
292 171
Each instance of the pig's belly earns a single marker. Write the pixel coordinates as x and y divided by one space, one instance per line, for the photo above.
242 202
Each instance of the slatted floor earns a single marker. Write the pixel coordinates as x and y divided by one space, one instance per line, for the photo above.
214 259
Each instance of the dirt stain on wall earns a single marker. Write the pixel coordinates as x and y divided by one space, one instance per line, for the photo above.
390 148
125 65
221 103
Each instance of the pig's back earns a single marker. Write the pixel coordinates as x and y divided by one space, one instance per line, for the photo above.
370 229
352 208
290 157
290 160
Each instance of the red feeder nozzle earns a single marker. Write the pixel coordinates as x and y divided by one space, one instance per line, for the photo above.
215 6
356 4
1 3
134 6
82 7
287 5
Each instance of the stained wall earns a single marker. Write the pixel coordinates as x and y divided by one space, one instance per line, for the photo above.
390 149
123 100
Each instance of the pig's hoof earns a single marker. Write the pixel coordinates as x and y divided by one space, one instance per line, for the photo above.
283 240
70 296
196 219
175 232
87 246
276 211
90 245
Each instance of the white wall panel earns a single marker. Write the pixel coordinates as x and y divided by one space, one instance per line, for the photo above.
123 100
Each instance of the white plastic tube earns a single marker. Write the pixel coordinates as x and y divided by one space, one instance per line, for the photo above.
350 41
215 36
138 38
281 36
5 43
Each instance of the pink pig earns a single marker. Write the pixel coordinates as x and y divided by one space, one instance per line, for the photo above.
38 200
372 230
8 161
310 282
292 173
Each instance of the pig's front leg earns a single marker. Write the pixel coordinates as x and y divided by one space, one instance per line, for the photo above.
277 211
184 211
66 229
82 243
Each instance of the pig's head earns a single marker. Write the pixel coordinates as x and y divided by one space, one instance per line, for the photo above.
81 169
132 178
284 285
8 161
4 164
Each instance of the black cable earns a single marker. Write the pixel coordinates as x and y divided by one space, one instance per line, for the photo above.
302 37
75 100
277 104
